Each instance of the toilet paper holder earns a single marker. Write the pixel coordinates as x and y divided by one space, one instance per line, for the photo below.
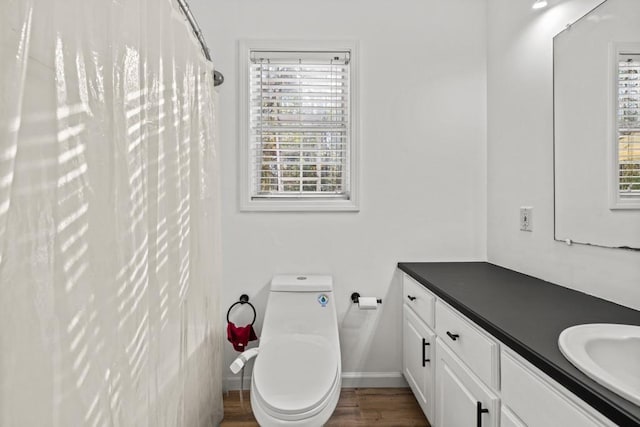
355 297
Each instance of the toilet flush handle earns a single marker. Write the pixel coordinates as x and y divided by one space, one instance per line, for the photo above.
241 360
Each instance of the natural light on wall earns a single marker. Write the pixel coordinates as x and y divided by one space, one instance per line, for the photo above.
539 4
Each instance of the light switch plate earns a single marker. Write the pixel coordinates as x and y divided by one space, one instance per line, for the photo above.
526 218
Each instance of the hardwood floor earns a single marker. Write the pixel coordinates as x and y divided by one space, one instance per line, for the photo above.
356 407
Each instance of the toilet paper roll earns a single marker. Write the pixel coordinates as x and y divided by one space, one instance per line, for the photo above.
367 303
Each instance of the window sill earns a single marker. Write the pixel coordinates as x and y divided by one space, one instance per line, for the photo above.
619 205
298 205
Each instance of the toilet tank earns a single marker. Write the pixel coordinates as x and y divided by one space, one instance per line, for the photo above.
300 304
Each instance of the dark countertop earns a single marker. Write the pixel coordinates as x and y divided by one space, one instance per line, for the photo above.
528 314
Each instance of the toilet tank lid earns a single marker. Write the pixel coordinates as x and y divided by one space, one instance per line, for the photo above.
302 283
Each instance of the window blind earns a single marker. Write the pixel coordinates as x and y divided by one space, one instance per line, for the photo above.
629 126
299 122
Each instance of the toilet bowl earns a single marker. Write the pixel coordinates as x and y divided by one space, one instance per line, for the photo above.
297 375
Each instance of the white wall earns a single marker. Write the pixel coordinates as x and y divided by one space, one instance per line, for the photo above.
520 156
423 138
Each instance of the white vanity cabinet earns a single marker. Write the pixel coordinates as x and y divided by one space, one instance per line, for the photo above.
419 344
462 376
447 377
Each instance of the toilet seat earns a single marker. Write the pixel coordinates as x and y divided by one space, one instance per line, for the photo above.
295 375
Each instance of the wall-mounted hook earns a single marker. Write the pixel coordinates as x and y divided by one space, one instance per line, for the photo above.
218 78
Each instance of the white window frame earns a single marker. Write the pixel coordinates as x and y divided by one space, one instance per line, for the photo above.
247 203
615 201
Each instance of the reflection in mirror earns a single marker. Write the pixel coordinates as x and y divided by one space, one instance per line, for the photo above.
597 127
627 162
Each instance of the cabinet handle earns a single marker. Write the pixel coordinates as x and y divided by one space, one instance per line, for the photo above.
424 352
411 298
453 336
479 411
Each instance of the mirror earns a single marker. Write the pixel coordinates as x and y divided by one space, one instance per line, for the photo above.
597 127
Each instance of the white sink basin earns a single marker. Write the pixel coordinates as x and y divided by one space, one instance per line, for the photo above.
608 353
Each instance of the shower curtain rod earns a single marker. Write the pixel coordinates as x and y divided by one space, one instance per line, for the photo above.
218 78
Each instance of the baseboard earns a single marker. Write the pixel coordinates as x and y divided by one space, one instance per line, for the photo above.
373 380
233 383
349 380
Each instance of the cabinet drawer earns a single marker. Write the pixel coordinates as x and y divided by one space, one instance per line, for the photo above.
419 299
537 403
473 346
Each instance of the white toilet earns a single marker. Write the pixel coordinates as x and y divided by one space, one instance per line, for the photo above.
297 374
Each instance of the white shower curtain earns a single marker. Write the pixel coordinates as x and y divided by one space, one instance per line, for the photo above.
109 235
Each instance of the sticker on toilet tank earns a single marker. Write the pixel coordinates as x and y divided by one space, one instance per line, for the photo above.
323 300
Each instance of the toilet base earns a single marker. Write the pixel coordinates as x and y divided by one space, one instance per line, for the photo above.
316 420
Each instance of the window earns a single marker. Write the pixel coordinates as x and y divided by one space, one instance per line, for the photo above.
626 147
298 124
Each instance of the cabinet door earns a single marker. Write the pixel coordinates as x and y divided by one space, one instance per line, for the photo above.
509 419
462 400
541 402
418 359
